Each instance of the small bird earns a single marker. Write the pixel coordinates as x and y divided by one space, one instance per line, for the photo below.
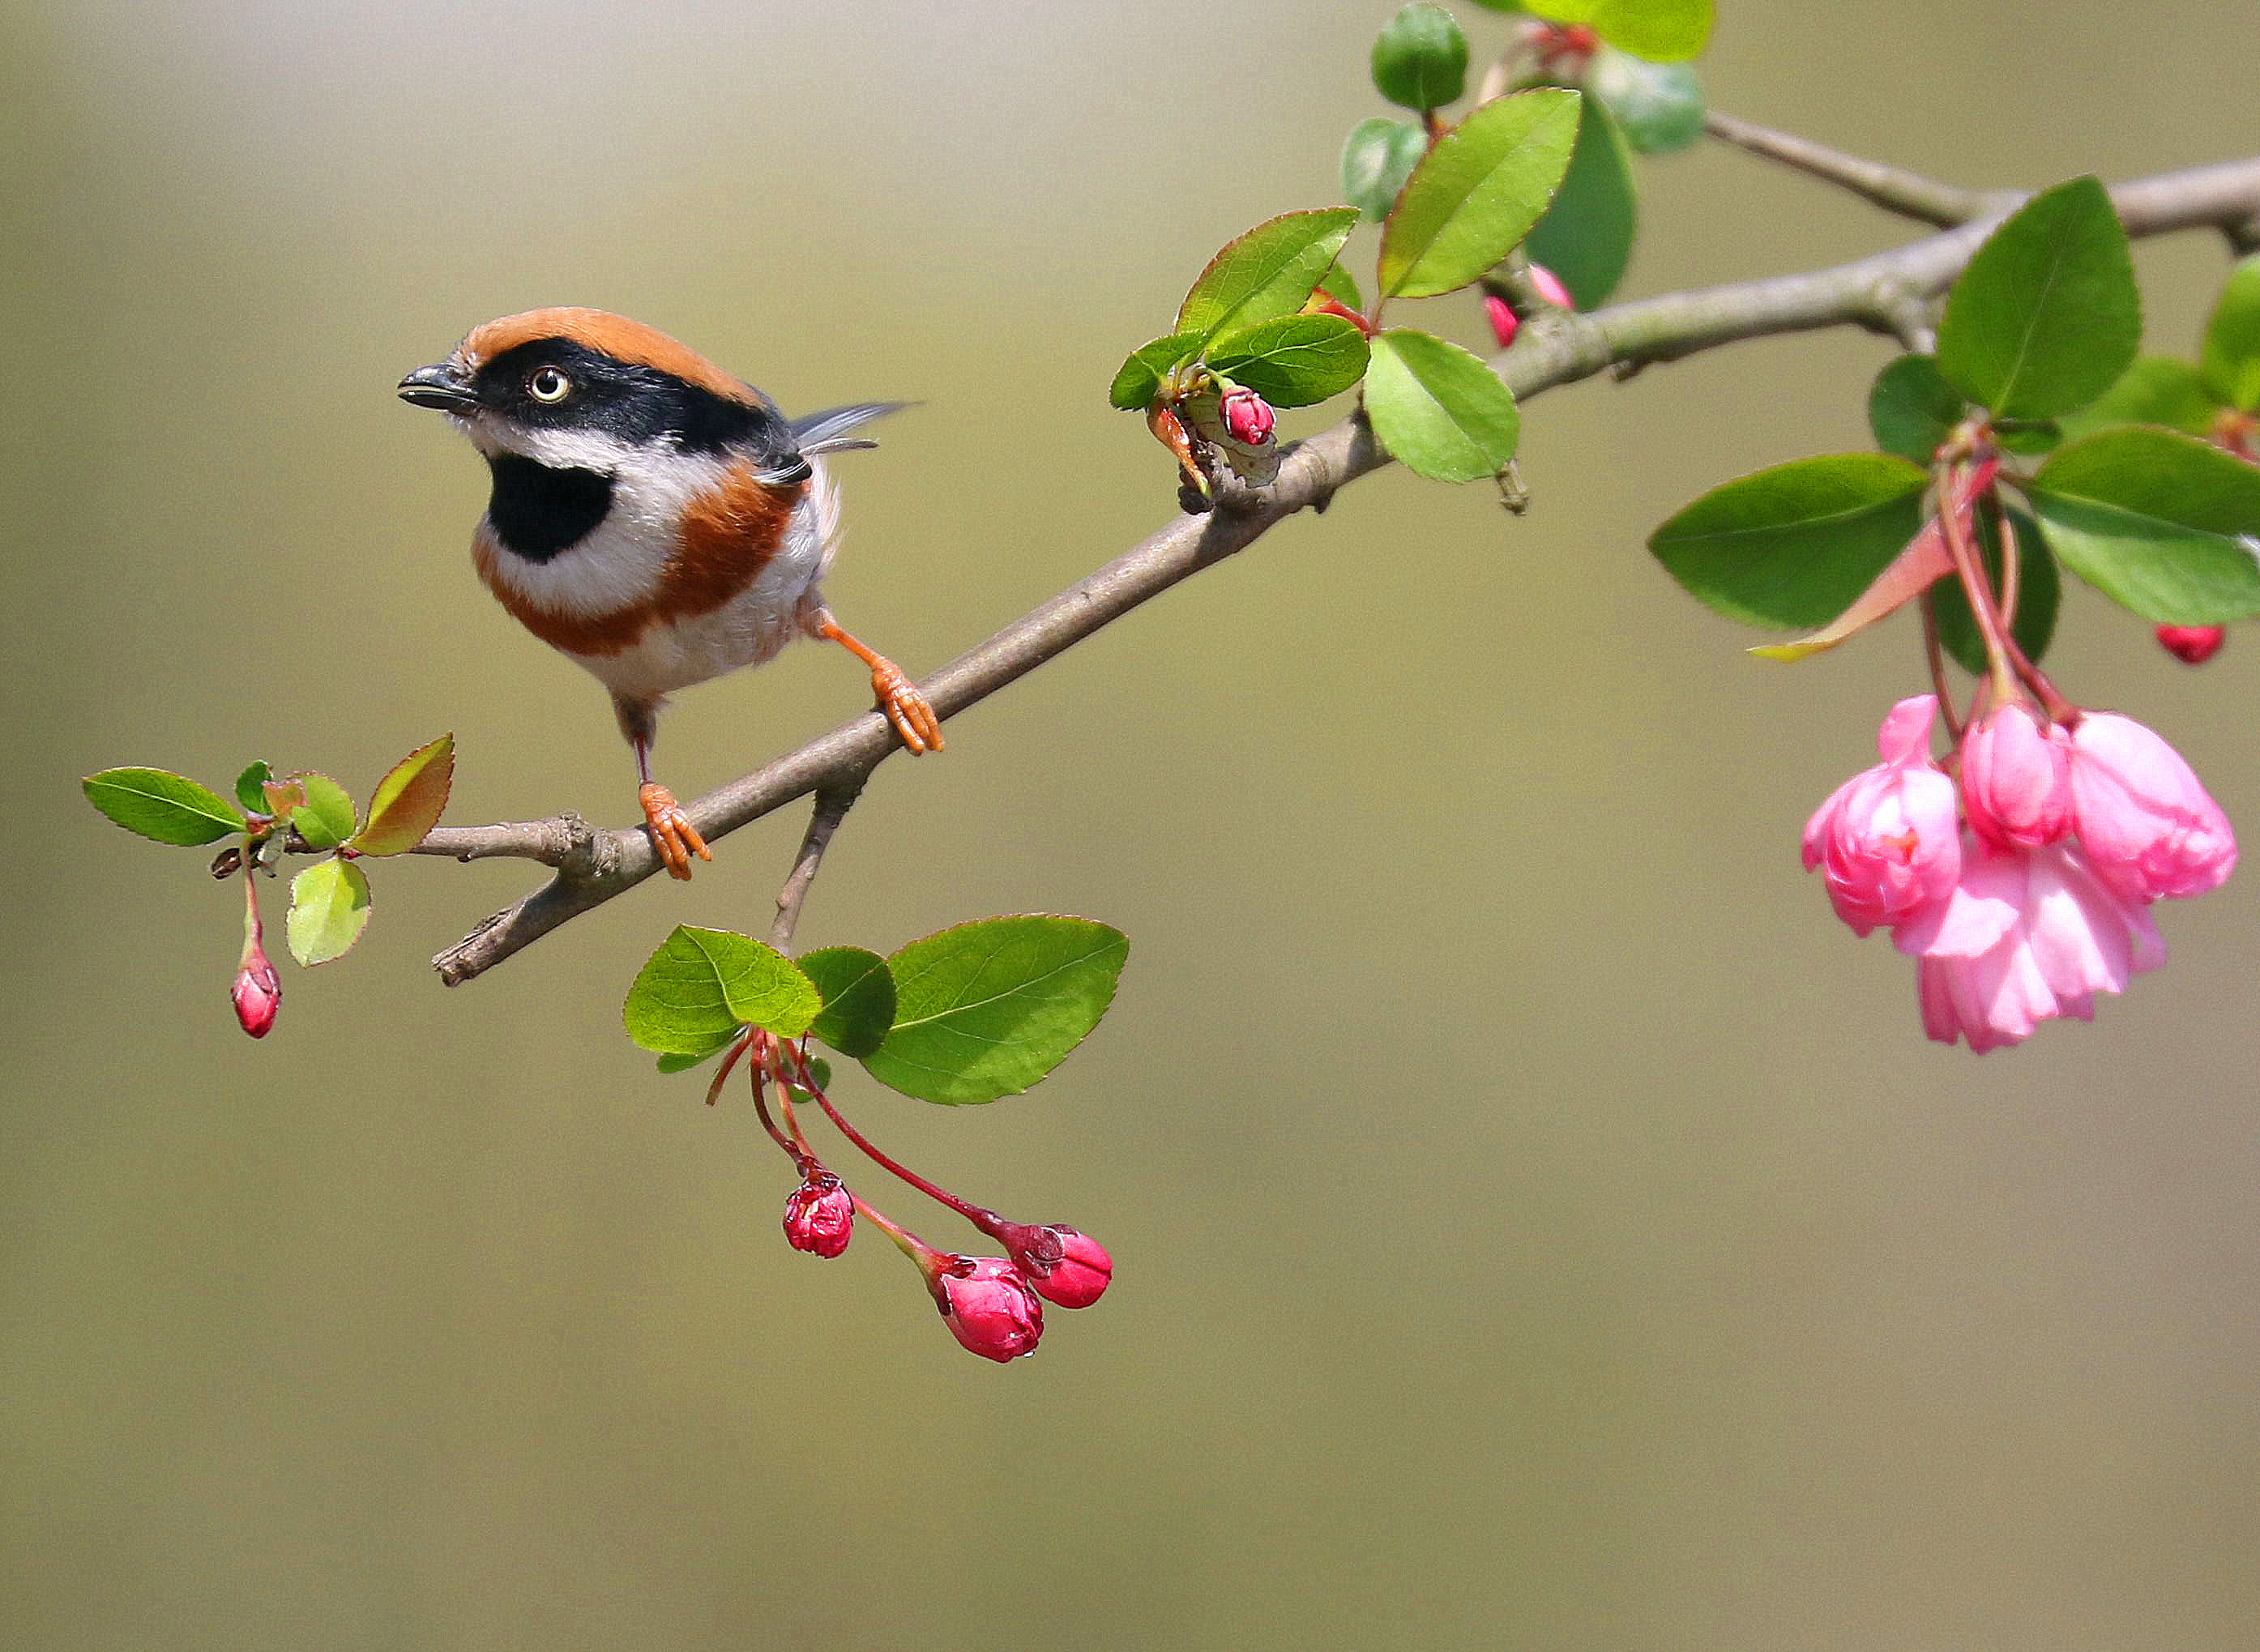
654 519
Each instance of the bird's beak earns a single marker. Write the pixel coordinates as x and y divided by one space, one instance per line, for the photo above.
440 385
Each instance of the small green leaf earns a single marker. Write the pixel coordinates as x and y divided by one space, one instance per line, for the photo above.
2047 315
1912 408
251 787
1291 360
1438 409
329 908
409 801
163 805
673 1062
1477 192
988 1008
1268 272
325 819
820 1070
2039 593
2232 341
1421 58
2161 523
1377 157
1662 31
2157 389
1585 236
1138 383
1340 285
858 991
703 985
1657 106
1795 545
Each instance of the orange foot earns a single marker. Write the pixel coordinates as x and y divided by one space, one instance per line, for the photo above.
672 834
907 709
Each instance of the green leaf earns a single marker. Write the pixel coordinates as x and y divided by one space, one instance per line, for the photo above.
858 991
1912 408
1340 285
2232 341
703 985
1657 106
673 1062
408 802
2047 315
163 805
1793 546
1268 272
1585 236
2157 389
1438 409
2161 523
1291 360
325 819
1138 380
820 1070
1477 192
1377 157
1421 58
250 787
1663 31
2039 592
329 908
988 1008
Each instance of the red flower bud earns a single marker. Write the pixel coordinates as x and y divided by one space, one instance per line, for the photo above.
1504 323
1247 417
258 994
988 1306
1063 1266
2193 645
819 1216
1550 287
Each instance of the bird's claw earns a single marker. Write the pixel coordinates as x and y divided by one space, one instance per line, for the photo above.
909 710
672 834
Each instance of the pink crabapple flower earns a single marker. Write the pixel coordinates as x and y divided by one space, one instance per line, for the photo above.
2149 826
1247 417
988 1306
1888 842
2193 645
2016 779
819 1215
2028 936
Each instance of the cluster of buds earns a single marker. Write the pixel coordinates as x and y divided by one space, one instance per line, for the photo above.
1506 321
993 1305
2023 890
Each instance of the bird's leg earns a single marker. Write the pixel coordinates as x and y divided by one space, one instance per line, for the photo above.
672 834
906 708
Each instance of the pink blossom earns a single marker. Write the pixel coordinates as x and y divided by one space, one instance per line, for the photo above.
988 1306
2016 779
2147 825
819 1215
2193 645
1888 842
2028 936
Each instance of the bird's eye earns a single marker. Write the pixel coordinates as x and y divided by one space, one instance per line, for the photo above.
548 384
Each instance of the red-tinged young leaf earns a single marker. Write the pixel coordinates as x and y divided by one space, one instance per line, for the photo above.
329 909
1925 562
2046 316
1268 272
2231 357
163 807
283 796
408 802
1477 192
2165 526
325 819
1796 544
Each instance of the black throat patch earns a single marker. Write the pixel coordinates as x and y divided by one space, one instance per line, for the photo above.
538 512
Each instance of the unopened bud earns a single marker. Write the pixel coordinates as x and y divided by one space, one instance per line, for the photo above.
1550 287
1504 323
1063 1266
988 1306
2193 645
258 994
1247 417
819 1215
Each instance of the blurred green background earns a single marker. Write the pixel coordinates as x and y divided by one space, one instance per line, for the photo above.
1539 1222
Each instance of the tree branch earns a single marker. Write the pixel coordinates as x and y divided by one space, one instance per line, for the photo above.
1554 348
1908 194
833 799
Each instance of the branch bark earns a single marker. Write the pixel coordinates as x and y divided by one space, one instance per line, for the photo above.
1555 348
1908 194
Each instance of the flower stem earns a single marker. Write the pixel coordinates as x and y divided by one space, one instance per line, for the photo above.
1937 657
1974 582
973 1213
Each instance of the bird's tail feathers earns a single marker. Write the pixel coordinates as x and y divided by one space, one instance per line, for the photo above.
827 433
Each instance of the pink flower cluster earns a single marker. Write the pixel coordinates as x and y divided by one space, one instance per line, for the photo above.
2024 891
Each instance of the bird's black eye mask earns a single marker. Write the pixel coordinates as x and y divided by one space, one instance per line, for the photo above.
636 404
